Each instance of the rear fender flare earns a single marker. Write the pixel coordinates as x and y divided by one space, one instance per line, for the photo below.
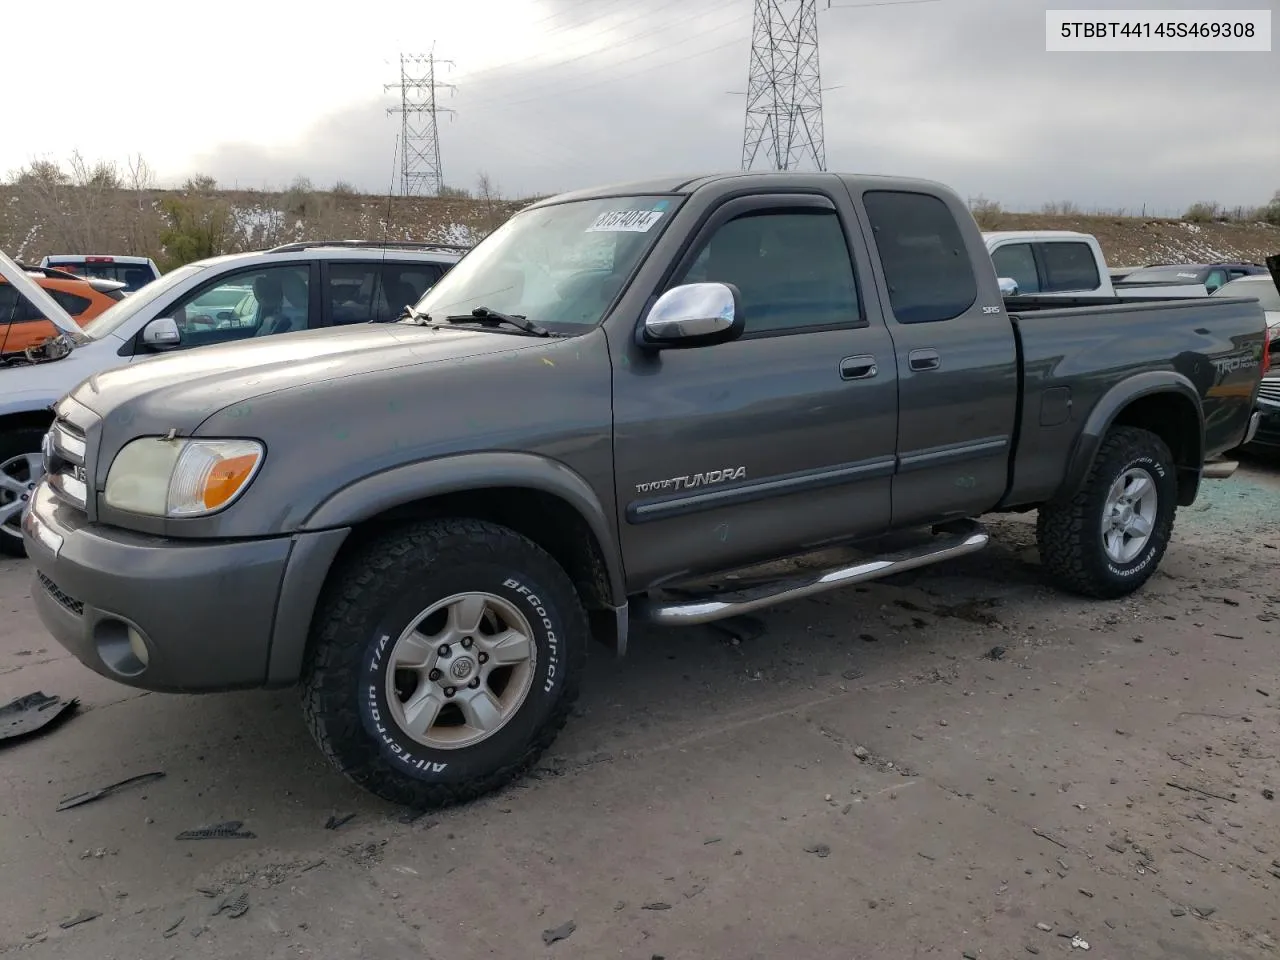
1109 407
370 496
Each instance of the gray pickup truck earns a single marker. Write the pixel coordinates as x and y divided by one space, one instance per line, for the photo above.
658 400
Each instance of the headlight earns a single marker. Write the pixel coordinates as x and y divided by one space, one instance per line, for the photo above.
181 478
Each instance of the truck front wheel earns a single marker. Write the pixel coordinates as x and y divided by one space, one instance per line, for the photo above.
1107 540
444 659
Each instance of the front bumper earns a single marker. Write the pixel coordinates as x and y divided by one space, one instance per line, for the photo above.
1267 436
174 615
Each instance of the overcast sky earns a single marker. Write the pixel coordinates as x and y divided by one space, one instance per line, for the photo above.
558 94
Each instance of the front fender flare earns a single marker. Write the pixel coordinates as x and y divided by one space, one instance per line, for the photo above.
398 486
1108 407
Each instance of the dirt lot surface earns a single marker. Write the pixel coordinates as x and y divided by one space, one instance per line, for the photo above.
865 776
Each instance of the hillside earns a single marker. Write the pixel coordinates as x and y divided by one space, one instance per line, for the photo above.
34 222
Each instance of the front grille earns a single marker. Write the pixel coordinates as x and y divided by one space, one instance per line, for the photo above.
64 463
1270 389
71 603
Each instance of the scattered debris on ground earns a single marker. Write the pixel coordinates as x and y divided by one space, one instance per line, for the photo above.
562 932
79 799
228 830
33 713
84 916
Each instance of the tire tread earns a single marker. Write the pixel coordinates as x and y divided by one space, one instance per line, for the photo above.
333 662
1060 527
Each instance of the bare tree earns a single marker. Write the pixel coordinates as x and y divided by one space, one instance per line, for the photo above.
490 197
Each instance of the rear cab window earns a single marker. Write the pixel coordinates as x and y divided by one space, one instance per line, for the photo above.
1069 266
926 264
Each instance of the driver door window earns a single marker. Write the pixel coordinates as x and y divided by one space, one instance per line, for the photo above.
252 303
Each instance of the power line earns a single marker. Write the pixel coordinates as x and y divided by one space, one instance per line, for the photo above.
615 45
420 170
784 87
508 64
554 88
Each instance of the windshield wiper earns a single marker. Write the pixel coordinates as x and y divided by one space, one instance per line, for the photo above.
483 314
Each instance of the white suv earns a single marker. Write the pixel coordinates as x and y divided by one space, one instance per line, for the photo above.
299 286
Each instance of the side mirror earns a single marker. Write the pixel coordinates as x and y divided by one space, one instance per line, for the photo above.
694 315
1008 287
162 332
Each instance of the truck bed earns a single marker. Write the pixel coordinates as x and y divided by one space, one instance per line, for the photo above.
1073 352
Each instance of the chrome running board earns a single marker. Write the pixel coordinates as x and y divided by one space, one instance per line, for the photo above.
960 538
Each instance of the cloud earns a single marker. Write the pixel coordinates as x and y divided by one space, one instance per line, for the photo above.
958 90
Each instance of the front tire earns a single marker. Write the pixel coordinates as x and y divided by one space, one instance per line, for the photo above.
21 467
1107 540
444 660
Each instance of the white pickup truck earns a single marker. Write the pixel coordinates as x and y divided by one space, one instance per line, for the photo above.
1063 263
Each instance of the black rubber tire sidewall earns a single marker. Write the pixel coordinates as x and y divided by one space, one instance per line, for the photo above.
530 594
1145 457
1070 533
12 444
376 590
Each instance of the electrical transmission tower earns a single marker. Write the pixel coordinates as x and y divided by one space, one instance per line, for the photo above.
784 88
420 171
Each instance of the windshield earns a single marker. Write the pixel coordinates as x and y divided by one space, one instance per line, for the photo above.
559 266
1167 275
111 318
1261 287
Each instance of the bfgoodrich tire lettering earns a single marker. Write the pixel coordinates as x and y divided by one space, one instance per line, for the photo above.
352 672
1073 544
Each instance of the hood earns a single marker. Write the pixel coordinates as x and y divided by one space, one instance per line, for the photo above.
40 298
183 388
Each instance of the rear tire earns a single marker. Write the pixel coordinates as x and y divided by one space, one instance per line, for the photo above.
444 660
1107 540
19 456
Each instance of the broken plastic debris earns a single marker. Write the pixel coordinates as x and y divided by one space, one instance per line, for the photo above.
34 712
84 916
562 932
219 831
235 903
1079 943
78 799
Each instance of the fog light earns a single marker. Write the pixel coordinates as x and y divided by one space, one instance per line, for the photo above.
137 647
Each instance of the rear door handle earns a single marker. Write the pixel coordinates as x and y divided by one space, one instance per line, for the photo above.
858 368
920 360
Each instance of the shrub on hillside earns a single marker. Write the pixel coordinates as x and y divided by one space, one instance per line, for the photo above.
988 213
1205 211
1271 212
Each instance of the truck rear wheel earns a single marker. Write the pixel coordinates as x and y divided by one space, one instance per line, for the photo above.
21 467
444 660
1108 539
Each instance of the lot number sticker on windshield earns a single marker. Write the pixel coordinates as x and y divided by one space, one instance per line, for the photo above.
631 221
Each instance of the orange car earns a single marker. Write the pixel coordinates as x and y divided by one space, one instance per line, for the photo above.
84 298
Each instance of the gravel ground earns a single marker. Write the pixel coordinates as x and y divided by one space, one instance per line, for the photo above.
957 763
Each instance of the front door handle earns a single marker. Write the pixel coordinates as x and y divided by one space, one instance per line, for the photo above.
920 360
858 368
